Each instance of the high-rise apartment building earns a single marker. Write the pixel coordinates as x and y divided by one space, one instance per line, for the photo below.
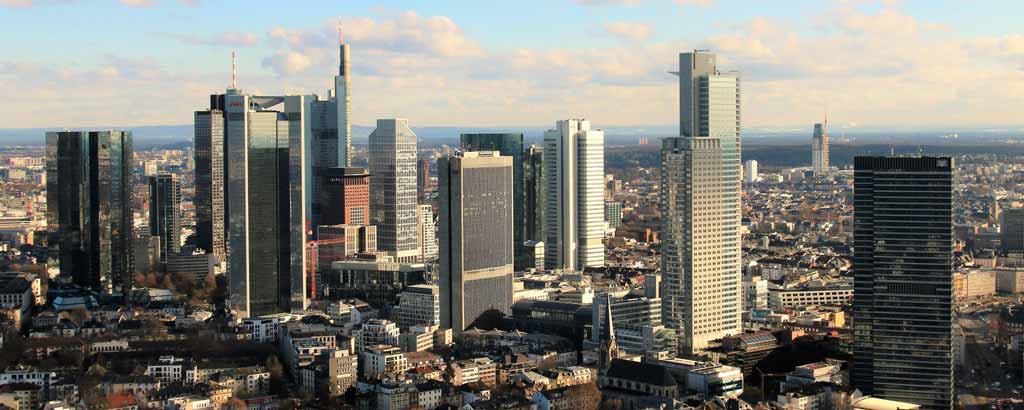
534 185
345 195
209 201
269 202
393 189
700 206
819 150
165 213
427 234
89 208
508 145
1011 228
750 172
903 279
574 208
477 245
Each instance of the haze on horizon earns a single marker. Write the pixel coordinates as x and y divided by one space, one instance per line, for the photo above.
461 63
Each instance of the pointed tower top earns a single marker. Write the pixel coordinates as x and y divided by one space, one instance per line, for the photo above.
341 39
234 72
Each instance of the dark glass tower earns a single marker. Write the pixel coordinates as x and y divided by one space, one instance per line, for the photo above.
211 209
165 213
509 145
903 279
89 214
533 193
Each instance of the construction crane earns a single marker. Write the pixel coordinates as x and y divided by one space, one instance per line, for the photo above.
312 258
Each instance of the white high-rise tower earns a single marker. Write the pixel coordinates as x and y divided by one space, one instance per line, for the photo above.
819 150
393 189
574 195
343 98
700 205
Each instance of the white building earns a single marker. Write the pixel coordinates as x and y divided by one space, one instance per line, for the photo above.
376 332
382 360
792 298
750 172
574 208
419 305
700 207
427 234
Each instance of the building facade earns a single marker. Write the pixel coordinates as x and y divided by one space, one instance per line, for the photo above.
534 186
209 200
345 196
419 305
393 189
508 145
903 276
426 234
1011 229
700 206
165 213
574 195
819 150
476 236
89 207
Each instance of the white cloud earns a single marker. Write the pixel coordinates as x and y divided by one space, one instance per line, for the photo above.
285 62
137 3
699 3
628 30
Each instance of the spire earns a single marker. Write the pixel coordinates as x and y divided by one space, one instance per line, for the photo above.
609 350
234 72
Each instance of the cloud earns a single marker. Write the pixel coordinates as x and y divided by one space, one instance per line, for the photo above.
606 2
288 62
30 3
137 3
699 3
628 30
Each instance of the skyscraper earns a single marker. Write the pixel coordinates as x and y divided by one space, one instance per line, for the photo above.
345 196
534 185
330 130
269 174
211 209
165 213
393 189
476 266
700 206
750 171
819 150
89 207
574 208
903 279
508 145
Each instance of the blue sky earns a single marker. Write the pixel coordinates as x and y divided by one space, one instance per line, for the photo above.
473 63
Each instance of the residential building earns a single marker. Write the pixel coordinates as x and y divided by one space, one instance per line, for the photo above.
89 208
382 360
903 275
613 214
574 196
476 235
375 332
419 305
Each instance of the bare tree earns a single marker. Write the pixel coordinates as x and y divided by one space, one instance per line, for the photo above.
586 396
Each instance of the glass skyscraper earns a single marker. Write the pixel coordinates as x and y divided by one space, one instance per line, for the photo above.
903 306
165 213
393 189
574 196
89 208
476 236
210 205
700 205
534 185
509 145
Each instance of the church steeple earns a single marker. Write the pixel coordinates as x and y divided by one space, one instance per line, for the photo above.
609 349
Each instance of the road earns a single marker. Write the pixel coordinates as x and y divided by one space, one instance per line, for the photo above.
984 376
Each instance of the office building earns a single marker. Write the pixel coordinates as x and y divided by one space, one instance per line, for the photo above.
378 282
165 213
146 253
419 305
535 254
819 150
700 207
426 235
476 235
903 278
345 195
393 189
337 243
89 208
636 322
197 266
613 214
1011 228
269 203
534 185
750 172
209 200
422 177
574 208
330 132
508 145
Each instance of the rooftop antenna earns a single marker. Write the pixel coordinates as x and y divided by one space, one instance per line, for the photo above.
341 40
234 71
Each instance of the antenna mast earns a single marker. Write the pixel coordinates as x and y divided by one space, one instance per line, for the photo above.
234 71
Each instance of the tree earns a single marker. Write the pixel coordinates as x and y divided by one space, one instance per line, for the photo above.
587 396
79 315
276 370
235 403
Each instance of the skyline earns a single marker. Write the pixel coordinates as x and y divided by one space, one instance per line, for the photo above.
449 67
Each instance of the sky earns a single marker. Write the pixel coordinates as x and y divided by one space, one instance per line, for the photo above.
82 63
